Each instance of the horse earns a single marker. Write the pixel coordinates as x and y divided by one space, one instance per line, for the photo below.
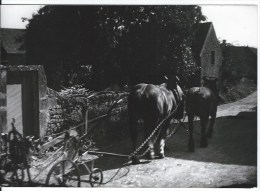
202 102
152 103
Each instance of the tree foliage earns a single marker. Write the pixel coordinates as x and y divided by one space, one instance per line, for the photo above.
238 62
104 45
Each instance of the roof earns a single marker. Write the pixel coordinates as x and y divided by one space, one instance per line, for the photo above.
200 34
12 40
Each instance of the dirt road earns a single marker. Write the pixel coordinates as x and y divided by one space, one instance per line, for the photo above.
229 161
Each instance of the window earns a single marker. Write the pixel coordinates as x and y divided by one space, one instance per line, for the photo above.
212 57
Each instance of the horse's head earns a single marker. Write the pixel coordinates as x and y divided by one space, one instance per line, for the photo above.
211 83
173 85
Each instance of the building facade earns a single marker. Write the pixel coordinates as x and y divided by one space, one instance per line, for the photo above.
207 51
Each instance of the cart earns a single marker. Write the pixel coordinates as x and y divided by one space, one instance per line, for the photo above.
13 159
65 172
75 163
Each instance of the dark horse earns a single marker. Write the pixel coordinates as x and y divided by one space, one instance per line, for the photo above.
202 102
152 103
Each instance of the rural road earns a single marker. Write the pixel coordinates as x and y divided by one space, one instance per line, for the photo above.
230 160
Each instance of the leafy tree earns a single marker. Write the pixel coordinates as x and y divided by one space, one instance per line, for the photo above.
114 44
238 62
53 39
151 41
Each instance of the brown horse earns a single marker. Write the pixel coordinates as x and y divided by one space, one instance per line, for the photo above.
152 103
202 102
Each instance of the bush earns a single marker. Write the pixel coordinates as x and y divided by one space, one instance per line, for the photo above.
73 103
233 91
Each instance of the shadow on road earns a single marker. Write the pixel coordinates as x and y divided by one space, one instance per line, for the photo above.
234 142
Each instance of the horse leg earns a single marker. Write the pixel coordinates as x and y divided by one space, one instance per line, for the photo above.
204 122
150 142
161 140
191 126
212 122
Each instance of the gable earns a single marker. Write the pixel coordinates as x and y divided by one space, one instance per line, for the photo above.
201 31
204 41
211 42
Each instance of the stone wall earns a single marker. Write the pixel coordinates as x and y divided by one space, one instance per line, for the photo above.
55 118
3 102
55 122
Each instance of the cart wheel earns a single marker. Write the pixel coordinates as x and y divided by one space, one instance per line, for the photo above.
96 177
64 173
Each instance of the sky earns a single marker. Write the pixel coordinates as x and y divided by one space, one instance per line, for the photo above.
235 23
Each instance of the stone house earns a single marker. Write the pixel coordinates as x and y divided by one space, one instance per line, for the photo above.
12 49
207 51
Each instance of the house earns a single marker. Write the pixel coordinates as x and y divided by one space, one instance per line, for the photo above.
12 48
207 51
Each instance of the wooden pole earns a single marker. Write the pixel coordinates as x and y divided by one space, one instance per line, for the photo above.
108 154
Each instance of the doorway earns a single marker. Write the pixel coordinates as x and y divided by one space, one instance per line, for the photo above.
14 107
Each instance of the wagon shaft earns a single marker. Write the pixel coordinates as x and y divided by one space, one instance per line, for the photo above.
108 154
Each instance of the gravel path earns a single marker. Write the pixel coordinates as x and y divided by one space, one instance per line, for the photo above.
247 104
230 160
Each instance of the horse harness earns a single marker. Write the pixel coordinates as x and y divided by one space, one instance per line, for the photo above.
168 117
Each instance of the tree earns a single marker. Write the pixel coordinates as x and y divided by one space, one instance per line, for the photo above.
53 39
121 44
238 62
152 41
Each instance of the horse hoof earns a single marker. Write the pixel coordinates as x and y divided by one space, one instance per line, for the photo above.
150 156
161 156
